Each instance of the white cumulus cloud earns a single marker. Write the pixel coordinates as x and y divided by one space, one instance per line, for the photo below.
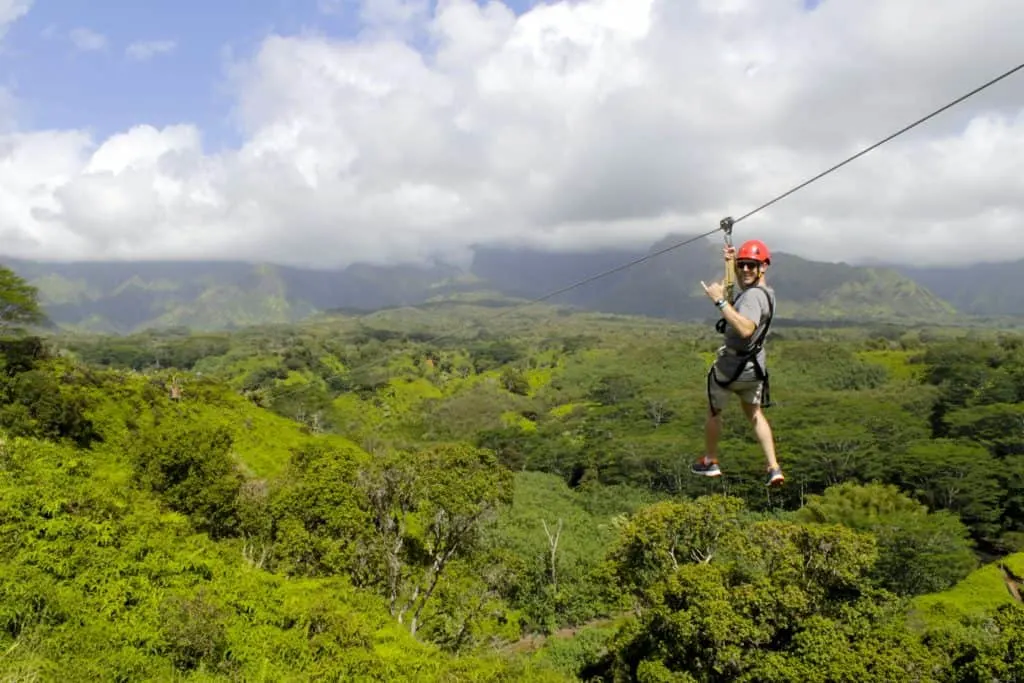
145 49
87 40
11 11
581 123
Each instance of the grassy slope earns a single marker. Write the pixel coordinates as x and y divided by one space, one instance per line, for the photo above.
263 441
981 592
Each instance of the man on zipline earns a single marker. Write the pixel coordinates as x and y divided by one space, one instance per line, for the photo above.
739 367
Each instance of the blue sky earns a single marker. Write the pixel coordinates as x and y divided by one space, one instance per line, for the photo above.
59 85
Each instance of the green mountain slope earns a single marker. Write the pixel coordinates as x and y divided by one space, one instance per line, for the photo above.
669 284
979 289
128 297
836 290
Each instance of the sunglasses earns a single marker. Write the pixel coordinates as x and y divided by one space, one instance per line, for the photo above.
747 265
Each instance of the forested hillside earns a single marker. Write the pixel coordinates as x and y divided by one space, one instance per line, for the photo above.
124 297
449 494
978 289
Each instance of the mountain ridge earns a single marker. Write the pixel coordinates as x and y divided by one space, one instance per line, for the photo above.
129 296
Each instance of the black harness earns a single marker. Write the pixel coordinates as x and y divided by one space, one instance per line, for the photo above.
761 373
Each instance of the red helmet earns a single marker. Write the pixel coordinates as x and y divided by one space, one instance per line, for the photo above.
754 250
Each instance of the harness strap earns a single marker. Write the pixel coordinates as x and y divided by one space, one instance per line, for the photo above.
760 372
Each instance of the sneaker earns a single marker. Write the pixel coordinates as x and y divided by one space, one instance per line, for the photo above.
774 477
706 467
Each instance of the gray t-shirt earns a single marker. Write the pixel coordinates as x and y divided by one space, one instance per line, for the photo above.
751 304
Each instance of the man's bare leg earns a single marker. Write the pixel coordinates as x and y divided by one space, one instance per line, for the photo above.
763 430
707 465
712 433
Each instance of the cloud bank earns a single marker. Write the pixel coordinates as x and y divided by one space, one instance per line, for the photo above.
577 124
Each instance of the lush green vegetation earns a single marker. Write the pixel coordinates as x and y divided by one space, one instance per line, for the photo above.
443 494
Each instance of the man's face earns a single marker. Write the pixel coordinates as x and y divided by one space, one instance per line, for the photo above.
750 271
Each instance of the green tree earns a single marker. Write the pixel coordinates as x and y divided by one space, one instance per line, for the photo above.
19 304
661 537
953 475
427 511
997 426
727 598
318 528
982 648
514 381
919 551
189 465
613 389
461 490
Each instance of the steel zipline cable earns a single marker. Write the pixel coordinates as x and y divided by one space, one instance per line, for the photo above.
726 224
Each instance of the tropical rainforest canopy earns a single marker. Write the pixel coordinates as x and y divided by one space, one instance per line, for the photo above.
435 494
